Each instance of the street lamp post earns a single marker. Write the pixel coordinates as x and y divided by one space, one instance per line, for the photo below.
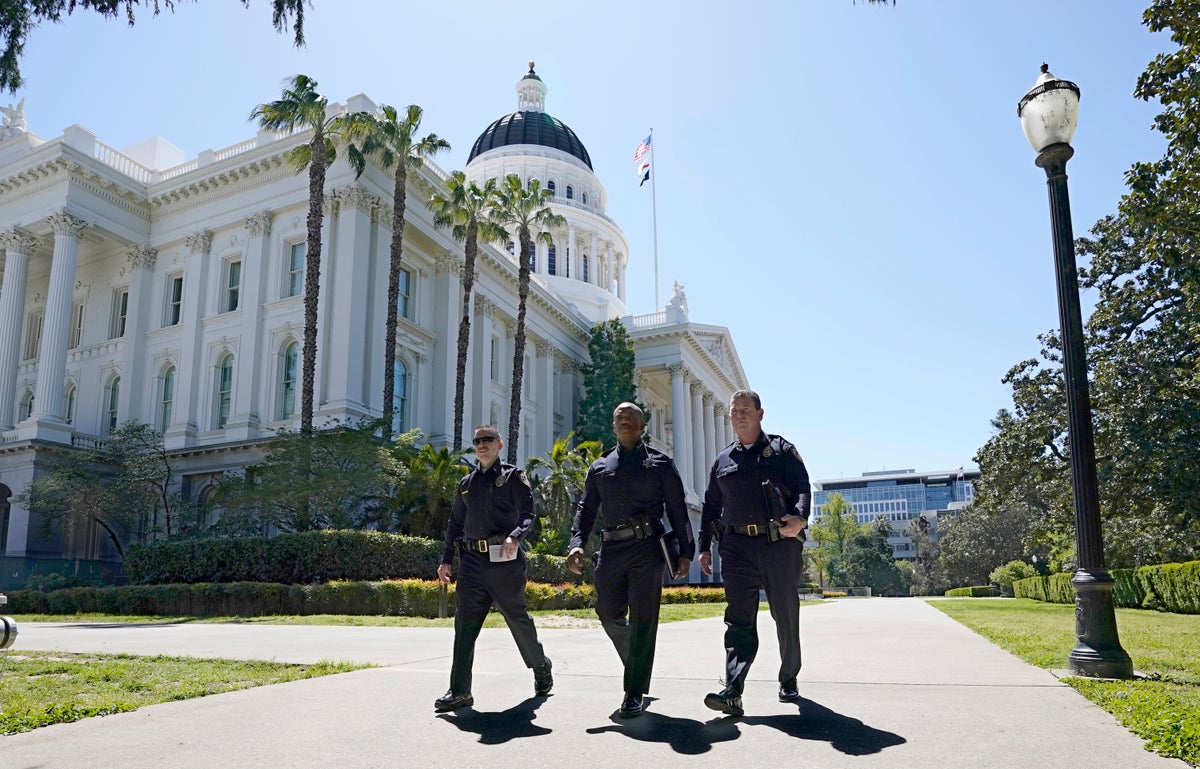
1049 113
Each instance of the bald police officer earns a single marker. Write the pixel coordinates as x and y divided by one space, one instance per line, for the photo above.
627 490
758 525
491 514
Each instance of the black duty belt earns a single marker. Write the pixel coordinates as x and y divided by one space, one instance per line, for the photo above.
481 545
749 530
636 528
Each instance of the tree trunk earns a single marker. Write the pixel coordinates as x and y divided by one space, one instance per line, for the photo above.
514 404
399 192
312 276
464 331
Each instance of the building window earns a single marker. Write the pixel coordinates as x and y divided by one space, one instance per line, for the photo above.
585 198
287 381
570 192
533 260
76 326
404 287
399 396
174 307
293 281
33 337
567 264
586 268
233 285
511 248
26 409
114 398
224 390
69 405
552 260
494 363
166 404
120 311
550 186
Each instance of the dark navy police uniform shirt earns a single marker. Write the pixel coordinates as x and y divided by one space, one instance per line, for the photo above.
496 502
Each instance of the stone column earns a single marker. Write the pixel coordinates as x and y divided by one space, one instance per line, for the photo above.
544 392
710 435
572 270
593 276
621 259
19 245
247 409
698 438
133 349
346 278
681 448
192 374
478 407
720 424
448 307
56 326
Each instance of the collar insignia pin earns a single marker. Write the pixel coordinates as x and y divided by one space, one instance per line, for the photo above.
767 452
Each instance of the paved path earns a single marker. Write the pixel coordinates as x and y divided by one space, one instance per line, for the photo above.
886 683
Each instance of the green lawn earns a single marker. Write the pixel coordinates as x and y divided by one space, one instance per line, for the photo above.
43 688
1162 707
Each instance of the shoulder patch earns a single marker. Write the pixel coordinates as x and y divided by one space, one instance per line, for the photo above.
523 478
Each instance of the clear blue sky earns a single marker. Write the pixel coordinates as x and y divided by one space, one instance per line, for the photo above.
846 187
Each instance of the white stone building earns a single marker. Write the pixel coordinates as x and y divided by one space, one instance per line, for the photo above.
135 285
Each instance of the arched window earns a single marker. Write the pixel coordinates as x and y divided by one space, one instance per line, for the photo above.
533 259
585 198
399 397
552 261
570 192
166 401
26 409
511 248
550 186
224 390
287 381
114 398
69 404
586 267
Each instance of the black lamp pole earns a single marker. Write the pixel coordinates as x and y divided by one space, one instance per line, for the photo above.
1098 650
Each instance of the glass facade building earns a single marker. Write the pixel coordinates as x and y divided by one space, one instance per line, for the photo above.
900 496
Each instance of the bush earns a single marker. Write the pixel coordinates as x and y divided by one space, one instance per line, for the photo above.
1171 587
976 591
1005 575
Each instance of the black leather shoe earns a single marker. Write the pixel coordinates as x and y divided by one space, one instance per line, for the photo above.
452 701
727 701
631 706
788 691
543 680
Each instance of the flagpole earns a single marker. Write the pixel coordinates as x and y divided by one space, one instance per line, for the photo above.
654 216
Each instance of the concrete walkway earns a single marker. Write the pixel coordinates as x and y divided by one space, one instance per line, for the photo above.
886 683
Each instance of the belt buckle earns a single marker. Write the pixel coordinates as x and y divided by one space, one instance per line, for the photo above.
481 546
752 530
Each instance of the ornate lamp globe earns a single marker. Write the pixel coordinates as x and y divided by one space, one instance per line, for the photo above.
1050 111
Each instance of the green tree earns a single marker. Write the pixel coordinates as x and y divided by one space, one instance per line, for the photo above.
127 485
331 478
302 108
18 19
557 484
925 575
391 138
980 539
467 211
1004 576
524 208
867 561
608 379
832 534
424 481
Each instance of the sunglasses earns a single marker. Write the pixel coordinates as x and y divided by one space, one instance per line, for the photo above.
484 439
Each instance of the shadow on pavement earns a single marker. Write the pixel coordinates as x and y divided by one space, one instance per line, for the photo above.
817 722
499 727
684 735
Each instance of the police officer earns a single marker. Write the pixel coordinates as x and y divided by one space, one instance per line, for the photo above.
491 514
759 543
628 489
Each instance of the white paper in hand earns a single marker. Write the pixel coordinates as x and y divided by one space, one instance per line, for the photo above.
495 553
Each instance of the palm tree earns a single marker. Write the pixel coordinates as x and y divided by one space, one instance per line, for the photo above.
392 139
525 208
301 108
560 475
467 210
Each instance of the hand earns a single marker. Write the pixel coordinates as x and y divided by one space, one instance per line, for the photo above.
444 572
575 560
706 563
792 525
681 567
509 548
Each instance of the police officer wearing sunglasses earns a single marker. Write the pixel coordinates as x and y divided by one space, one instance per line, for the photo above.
491 514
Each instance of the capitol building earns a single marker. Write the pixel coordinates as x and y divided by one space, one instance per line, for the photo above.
137 285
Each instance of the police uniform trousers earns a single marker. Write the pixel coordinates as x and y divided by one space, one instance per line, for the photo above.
629 579
748 564
480 583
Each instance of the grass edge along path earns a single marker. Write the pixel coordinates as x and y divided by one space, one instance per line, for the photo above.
1162 706
39 688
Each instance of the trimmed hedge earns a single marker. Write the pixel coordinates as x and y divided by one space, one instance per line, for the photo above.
309 557
1170 587
407 598
976 591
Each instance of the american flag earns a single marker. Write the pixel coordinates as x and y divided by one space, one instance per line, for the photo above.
642 149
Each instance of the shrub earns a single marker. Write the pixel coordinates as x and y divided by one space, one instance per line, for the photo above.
1005 575
1171 587
976 591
